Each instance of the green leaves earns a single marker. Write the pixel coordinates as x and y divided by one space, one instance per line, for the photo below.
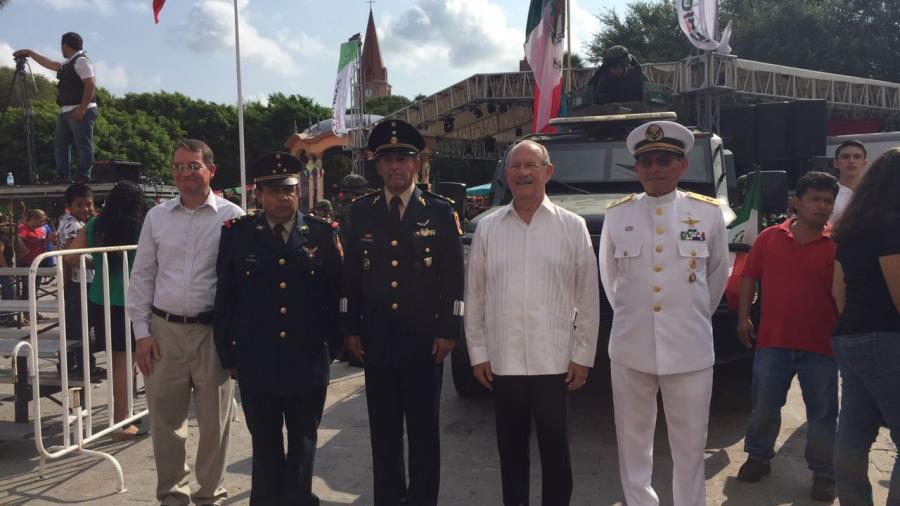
144 127
851 37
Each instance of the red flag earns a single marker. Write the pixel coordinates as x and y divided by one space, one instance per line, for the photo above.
157 6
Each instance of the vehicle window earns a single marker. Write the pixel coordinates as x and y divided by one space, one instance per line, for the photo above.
611 162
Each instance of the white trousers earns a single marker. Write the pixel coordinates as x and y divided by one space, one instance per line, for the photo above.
686 400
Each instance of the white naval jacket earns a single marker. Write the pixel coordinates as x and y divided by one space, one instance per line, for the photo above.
664 264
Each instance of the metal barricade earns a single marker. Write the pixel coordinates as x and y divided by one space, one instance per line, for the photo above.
74 413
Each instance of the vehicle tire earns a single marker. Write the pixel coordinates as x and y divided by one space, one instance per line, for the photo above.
465 383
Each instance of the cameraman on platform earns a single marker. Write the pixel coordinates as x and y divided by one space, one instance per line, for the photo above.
78 111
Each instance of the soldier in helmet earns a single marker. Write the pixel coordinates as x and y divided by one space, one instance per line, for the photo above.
351 187
618 79
323 209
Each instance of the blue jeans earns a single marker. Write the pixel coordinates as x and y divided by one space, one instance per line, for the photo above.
773 371
870 388
70 131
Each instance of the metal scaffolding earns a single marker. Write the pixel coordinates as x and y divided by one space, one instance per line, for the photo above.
499 105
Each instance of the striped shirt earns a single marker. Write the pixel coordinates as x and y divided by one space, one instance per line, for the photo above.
532 292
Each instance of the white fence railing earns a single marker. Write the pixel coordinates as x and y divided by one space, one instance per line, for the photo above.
75 438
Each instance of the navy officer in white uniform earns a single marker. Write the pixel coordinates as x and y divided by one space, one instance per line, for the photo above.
664 264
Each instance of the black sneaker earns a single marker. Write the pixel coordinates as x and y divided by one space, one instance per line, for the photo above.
822 489
753 470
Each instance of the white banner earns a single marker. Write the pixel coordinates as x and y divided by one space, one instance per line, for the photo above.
697 19
346 67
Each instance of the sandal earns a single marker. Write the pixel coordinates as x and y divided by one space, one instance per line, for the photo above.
128 435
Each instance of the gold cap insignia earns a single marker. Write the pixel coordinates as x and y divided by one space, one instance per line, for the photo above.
394 140
278 156
654 133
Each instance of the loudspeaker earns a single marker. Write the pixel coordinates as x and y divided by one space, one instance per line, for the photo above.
113 171
455 192
737 128
807 127
771 129
773 190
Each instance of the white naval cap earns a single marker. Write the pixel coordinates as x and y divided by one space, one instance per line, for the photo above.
660 136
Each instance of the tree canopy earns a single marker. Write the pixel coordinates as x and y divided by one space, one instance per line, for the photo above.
144 127
852 37
385 105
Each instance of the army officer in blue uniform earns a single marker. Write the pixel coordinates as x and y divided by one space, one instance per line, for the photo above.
403 287
276 311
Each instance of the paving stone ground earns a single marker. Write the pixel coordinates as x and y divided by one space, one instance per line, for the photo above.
470 464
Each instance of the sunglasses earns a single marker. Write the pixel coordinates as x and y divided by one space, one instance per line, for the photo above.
191 167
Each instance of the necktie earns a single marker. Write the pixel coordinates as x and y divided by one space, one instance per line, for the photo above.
277 232
395 209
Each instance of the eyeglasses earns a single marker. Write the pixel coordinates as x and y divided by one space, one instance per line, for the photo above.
645 162
191 167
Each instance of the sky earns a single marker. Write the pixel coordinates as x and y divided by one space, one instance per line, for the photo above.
287 46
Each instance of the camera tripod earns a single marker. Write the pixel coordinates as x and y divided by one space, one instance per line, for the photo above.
19 85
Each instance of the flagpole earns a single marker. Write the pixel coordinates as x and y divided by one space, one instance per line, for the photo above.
569 44
240 106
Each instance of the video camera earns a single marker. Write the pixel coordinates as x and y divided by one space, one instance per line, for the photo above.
20 63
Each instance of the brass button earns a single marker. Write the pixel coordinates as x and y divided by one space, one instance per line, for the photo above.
283 334
284 310
693 253
659 248
312 273
394 263
657 308
657 289
282 285
660 230
394 243
427 250
365 252
247 273
657 268
394 306
281 261
393 284
659 211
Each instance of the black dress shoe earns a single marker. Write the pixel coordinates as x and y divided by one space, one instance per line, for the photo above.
822 489
753 470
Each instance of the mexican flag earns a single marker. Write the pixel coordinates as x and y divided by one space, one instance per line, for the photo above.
745 226
346 67
544 34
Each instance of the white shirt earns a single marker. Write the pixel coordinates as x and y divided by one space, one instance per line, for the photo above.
525 283
175 264
840 202
664 265
68 229
85 70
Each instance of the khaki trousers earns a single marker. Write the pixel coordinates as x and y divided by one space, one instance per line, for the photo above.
188 365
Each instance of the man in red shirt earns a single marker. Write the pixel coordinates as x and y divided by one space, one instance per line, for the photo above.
794 264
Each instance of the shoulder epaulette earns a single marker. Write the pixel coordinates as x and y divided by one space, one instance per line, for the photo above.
621 201
320 220
371 193
438 197
703 198
234 221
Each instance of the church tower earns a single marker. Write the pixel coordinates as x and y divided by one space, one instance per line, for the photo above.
374 74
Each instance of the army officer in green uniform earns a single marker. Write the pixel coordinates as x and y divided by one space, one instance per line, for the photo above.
276 311
403 287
